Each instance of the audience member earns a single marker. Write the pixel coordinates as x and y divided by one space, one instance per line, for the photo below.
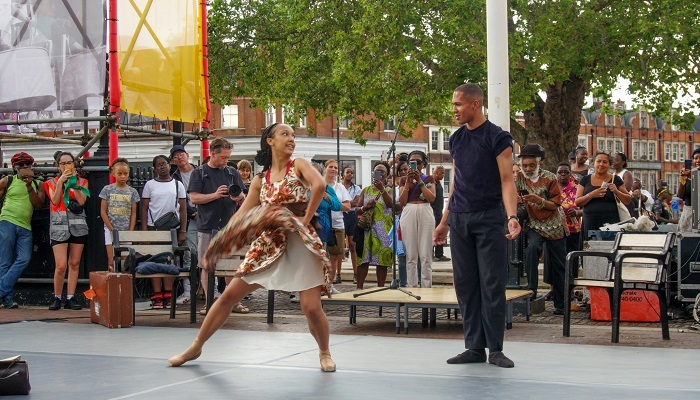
417 220
579 169
572 213
541 195
661 208
641 198
160 196
377 246
401 171
216 189
596 192
350 217
336 246
21 195
118 205
438 204
245 169
181 159
684 192
69 229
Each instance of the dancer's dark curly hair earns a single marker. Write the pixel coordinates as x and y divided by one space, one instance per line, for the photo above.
264 156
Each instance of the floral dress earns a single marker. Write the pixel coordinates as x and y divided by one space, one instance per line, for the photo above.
377 246
284 254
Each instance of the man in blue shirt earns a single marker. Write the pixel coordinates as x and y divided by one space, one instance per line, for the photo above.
482 186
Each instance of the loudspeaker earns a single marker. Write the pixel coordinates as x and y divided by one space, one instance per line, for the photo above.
687 274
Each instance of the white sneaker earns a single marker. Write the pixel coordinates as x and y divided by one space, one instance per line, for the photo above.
334 290
183 299
294 297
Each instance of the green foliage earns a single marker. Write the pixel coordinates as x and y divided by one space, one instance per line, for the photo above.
367 58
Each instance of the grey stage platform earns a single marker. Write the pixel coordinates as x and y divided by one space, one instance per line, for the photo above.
72 361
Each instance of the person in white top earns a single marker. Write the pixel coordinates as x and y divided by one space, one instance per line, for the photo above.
620 165
336 244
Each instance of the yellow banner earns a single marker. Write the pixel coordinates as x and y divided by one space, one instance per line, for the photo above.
160 59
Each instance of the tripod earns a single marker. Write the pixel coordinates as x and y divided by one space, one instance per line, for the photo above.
394 285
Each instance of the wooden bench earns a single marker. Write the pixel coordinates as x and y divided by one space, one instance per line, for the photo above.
435 297
636 261
156 242
226 268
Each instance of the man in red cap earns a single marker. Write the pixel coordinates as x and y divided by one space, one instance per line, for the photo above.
21 195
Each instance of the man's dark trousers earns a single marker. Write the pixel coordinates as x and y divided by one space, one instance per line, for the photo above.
555 251
480 266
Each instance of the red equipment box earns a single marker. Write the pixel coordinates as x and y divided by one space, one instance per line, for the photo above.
636 305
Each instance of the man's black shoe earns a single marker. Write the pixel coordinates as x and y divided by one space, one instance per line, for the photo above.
469 356
55 304
499 359
558 311
72 304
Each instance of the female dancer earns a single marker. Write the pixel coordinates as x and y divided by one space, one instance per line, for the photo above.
300 265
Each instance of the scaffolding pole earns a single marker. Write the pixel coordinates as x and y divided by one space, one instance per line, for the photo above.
188 135
37 138
55 120
92 141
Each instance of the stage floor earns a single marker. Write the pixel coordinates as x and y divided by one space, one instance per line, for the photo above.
75 361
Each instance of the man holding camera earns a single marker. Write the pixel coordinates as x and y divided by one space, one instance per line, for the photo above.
21 196
216 190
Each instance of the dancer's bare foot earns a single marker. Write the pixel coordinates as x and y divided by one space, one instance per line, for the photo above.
327 364
192 353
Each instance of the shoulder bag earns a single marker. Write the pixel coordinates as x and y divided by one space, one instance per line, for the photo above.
14 377
169 220
367 217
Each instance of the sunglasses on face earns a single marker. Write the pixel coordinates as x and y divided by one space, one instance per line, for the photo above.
24 165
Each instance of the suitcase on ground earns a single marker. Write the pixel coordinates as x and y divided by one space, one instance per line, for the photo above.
112 300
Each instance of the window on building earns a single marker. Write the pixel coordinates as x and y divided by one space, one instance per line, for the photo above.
582 142
674 152
651 155
390 124
446 140
618 146
644 178
682 155
643 119
229 116
447 181
434 139
302 122
345 122
601 145
270 116
635 149
609 119
667 152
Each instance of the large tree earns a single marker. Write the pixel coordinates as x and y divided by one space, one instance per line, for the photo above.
361 58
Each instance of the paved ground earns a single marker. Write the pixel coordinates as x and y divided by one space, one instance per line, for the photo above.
71 361
543 328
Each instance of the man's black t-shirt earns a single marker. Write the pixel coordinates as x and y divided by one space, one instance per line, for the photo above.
206 180
477 180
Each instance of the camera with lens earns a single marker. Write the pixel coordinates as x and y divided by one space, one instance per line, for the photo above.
234 190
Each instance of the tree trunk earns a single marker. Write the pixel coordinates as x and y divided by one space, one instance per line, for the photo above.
554 123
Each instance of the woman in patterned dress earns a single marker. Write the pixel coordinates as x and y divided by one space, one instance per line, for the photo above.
377 244
290 258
